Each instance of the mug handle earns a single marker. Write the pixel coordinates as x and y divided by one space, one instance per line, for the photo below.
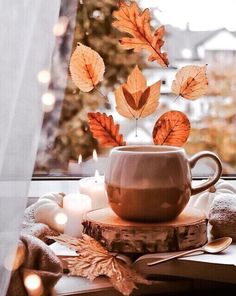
212 180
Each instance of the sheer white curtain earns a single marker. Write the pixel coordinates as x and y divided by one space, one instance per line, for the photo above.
26 46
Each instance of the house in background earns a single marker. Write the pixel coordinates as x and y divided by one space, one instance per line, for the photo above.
213 116
215 48
185 47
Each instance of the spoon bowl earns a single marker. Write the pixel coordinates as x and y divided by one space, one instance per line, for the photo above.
218 245
213 247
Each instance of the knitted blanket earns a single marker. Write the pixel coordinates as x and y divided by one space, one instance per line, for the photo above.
34 257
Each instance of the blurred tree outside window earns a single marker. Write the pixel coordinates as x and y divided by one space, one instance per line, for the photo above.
66 141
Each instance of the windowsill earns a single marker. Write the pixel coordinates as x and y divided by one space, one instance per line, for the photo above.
38 188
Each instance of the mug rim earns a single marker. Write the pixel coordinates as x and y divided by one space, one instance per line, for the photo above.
166 149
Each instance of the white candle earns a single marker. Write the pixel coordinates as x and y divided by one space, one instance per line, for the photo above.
87 167
76 167
76 206
95 188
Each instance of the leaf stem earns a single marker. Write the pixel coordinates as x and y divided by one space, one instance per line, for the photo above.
136 127
107 103
176 98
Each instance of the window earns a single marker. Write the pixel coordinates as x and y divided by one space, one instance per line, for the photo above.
68 148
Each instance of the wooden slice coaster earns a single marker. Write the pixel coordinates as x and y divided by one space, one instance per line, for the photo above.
187 231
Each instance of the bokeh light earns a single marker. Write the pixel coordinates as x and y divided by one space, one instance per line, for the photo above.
61 218
48 100
44 76
59 29
33 284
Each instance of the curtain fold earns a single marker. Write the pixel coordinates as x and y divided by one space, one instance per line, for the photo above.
26 47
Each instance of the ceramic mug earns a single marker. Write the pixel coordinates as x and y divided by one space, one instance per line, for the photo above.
153 183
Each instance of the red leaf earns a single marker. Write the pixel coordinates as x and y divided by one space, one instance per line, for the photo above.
105 130
172 128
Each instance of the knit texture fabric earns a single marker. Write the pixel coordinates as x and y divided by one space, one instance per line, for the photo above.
38 259
222 216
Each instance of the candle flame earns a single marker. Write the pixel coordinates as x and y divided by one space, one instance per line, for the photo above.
95 155
80 159
96 176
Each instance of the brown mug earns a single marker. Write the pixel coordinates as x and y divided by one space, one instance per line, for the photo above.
153 183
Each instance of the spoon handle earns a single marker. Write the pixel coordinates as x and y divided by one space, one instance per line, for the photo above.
174 256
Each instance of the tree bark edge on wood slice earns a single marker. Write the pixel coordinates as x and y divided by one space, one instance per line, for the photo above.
187 231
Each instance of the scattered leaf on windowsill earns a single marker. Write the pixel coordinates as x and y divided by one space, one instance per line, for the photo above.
191 82
86 68
134 99
105 130
94 260
130 19
172 129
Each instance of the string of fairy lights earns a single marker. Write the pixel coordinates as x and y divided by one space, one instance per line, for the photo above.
44 77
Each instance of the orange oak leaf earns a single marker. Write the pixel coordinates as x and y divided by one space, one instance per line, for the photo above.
172 129
86 67
105 130
134 99
191 82
130 19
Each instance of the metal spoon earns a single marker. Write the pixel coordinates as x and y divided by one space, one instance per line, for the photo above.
212 247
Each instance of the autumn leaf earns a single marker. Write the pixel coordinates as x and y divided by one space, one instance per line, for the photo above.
172 129
86 67
191 82
105 130
134 99
94 260
130 19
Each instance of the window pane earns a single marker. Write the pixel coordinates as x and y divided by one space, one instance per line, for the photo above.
194 35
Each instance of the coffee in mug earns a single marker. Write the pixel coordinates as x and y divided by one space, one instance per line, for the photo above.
153 183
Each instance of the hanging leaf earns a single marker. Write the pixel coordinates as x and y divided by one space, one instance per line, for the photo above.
94 260
130 19
105 130
191 82
134 99
86 67
172 129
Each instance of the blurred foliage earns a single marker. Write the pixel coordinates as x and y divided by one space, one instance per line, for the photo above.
218 133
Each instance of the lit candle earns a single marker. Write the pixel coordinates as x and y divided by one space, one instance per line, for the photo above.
87 167
76 167
75 206
95 188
